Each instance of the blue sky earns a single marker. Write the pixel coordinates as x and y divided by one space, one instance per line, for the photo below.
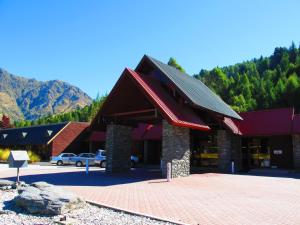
89 43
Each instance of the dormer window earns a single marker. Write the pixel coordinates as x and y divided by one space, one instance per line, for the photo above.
49 132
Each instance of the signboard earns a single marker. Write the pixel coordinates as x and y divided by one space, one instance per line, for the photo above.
277 152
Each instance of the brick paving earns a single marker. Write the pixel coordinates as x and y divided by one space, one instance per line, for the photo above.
207 199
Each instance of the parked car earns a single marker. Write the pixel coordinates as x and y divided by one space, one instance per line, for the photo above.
63 158
100 159
80 160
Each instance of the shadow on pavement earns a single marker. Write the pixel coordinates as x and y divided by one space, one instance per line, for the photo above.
94 178
279 173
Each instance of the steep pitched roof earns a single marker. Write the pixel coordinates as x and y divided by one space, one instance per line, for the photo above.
197 92
34 135
167 106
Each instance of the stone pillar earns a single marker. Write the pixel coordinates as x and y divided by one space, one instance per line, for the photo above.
296 151
176 150
146 152
237 151
118 148
224 150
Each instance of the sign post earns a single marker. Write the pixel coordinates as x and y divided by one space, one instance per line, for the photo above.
232 167
169 172
18 159
86 166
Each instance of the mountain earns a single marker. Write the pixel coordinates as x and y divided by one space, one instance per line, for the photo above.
22 98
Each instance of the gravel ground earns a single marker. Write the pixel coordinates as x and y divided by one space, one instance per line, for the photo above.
11 215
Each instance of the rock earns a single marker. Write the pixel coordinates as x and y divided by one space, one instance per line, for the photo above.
41 184
19 185
6 183
46 199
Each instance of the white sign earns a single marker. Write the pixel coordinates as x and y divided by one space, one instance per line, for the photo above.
277 152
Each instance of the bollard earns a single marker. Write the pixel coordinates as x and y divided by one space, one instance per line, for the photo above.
86 166
169 172
232 167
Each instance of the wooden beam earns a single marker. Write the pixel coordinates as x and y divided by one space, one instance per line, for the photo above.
132 112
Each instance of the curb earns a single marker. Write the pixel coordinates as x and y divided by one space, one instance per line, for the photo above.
135 213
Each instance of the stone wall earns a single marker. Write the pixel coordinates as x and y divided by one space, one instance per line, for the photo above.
118 148
296 151
224 149
176 150
236 141
229 148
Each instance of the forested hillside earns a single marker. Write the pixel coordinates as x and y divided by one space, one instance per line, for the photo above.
266 82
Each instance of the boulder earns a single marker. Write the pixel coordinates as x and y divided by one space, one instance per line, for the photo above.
46 199
6 184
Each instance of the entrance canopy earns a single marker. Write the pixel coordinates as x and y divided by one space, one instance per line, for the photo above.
156 91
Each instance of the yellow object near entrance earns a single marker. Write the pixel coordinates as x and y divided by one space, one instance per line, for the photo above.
261 156
207 156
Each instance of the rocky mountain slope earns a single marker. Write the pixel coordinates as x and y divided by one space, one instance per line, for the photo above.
22 98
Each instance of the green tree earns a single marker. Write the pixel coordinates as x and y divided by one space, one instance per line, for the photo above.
173 62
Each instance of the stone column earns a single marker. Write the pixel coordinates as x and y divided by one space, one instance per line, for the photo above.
118 148
224 150
176 150
296 151
237 151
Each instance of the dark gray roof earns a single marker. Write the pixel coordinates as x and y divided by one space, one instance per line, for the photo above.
34 135
197 92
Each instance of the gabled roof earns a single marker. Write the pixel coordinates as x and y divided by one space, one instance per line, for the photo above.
197 92
263 123
34 135
174 113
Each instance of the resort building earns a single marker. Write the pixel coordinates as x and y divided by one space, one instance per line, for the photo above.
46 140
164 115
189 114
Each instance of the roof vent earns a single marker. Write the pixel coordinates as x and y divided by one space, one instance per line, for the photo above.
24 134
49 132
5 135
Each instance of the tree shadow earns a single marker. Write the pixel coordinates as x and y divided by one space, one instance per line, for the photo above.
278 173
93 178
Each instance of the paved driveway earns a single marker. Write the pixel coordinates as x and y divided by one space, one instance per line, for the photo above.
199 199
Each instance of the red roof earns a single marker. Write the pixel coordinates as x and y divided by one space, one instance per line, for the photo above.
173 112
263 122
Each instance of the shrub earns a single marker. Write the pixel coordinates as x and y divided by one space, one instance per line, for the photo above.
4 154
33 157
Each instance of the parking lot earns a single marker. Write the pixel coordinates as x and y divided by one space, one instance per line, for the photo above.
207 198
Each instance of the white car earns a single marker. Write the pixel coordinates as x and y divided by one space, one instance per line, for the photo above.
100 159
62 159
81 159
